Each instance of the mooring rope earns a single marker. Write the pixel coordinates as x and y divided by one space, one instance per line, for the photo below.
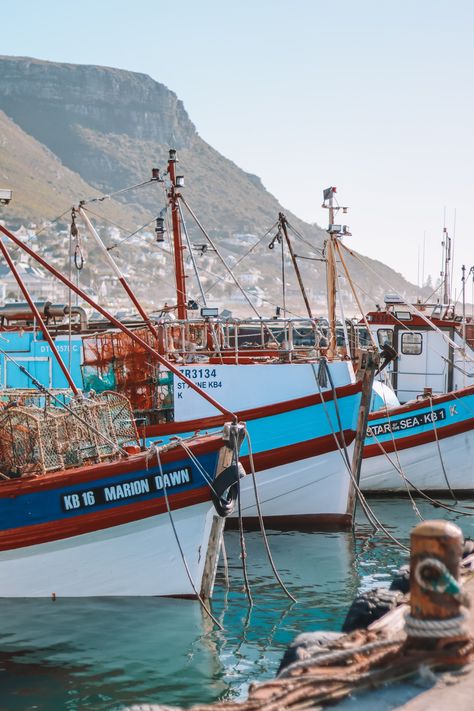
181 551
261 522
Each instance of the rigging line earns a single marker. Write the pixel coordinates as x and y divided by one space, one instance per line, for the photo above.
410 306
229 271
120 227
348 276
398 468
247 253
303 239
47 224
243 549
435 429
193 261
343 453
360 495
181 551
436 503
262 525
107 196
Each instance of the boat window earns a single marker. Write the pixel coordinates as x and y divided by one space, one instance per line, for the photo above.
385 335
412 343
403 315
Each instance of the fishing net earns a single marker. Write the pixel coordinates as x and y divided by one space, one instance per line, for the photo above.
38 439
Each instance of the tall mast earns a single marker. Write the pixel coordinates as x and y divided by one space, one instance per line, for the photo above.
173 197
446 243
334 232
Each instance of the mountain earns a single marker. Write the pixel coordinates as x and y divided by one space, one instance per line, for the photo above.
74 129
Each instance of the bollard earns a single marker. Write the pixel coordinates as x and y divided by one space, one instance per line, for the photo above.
437 616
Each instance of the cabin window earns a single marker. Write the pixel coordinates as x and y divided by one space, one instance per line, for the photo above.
412 343
385 335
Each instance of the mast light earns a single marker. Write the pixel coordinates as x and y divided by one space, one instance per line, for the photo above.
160 229
172 154
180 181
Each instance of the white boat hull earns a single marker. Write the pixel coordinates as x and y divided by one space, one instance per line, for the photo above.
422 467
132 559
315 491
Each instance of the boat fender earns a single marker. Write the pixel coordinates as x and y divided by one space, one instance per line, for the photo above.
225 489
304 646
370 606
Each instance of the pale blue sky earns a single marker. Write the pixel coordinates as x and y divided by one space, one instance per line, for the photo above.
375 97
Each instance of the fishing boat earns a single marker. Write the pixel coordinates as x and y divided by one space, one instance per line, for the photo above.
302 415
424 444
85 512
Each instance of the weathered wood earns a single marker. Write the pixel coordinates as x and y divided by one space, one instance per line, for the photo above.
442 541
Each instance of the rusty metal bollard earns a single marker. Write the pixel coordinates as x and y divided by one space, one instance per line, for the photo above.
437 616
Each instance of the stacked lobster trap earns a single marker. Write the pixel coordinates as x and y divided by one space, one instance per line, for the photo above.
37 437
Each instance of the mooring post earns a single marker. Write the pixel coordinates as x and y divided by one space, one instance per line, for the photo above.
437 616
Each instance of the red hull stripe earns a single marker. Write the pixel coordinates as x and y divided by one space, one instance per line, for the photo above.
422 403
296 452
97 521
374 450
84 475
252 414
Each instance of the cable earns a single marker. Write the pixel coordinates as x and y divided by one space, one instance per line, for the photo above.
183 557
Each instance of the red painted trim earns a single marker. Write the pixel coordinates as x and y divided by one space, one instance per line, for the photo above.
386 318
98 520
415 440
422 403
252 414
69 477
296 452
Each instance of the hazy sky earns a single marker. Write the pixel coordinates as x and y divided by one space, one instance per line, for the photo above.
373 96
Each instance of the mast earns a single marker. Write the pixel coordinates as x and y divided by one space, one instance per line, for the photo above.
173 197
283 222
335 232
446 244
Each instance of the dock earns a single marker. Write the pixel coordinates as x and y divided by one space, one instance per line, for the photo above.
418 656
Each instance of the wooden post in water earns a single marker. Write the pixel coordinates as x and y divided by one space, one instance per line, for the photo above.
437 616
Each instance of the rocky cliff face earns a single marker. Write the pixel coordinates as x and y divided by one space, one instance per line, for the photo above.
62 104
109 127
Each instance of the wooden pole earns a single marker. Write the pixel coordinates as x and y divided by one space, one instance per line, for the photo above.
177 242
436 550
283 223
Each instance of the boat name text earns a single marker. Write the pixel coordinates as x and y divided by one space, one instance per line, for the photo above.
126 490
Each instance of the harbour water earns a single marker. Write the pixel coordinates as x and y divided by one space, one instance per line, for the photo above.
104 654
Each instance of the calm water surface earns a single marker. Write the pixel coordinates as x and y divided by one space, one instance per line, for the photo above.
105 654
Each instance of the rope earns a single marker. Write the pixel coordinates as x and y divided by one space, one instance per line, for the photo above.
260 519
437 629
370 515
445 583
183 557
340 655
435 430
